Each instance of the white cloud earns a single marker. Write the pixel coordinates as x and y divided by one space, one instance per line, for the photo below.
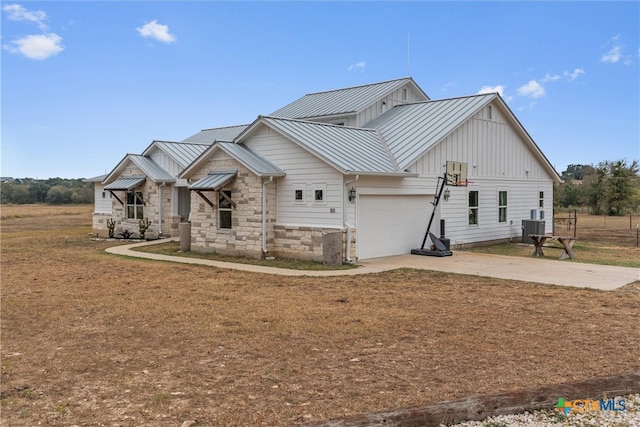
36 46
574 74
532 89
616 53
15 12
613 55
358 66
156 31
491 89
550 78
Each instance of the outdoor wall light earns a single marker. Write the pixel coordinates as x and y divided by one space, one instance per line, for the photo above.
447 194
352 195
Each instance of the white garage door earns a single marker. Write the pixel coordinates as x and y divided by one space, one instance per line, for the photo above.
392 225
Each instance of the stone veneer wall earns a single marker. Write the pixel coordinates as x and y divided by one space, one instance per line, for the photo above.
150 196
245 236
99 221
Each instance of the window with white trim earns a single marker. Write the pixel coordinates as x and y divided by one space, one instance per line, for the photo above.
473 207
541 199
224 210
319 193
135 205
502 206
298 195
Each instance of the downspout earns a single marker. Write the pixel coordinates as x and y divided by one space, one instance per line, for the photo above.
344 219
160 208
264 215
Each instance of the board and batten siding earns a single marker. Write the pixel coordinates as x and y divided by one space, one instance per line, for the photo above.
102 199
522 197
383 105
302 169
490 147
498 158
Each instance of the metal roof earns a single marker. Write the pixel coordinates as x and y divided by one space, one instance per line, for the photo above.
350 150
340 101
256 163
209 136
411 130
151 168
213 180
183 153
126 183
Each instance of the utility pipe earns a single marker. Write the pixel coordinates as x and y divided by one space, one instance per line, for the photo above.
345 195
264 215
160 208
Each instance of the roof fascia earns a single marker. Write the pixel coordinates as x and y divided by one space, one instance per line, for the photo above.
115 172
195 165
304 146
134 159
332 164
255 172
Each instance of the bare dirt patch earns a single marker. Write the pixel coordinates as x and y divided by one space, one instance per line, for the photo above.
90 338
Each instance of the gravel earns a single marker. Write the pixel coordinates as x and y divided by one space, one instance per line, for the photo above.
630 417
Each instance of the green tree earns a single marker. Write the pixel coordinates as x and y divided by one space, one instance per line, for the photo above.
573 172
619 188
569 194
59 195
11 192
594 180
38 191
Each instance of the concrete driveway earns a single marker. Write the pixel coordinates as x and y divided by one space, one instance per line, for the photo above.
548 271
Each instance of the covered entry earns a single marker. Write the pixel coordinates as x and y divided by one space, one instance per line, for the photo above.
392 224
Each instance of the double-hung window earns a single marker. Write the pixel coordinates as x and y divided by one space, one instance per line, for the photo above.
473 207
502 206
135 204
224 209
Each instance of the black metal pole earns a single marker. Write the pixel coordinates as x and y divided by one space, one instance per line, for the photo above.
433 213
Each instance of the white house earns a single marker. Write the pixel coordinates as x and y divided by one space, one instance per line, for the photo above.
364 162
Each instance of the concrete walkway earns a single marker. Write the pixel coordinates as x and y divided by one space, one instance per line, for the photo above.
548 271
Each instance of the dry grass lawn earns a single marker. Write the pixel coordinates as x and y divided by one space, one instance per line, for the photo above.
90 338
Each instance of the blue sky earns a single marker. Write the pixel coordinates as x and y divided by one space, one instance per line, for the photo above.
85 83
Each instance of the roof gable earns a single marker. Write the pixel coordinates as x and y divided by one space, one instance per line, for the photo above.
182 153
245 156
350 150
413 129
150 168
209 136
342 101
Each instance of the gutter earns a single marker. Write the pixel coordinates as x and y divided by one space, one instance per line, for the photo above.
344 218
264 215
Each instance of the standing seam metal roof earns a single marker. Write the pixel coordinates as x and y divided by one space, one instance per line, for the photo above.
209 136
151 168
340 101
126 183
213 180
351 150
256 163
411 130
182 152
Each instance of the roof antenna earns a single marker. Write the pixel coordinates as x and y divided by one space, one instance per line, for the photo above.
408 55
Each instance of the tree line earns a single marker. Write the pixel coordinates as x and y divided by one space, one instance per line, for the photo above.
608 188
55 191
